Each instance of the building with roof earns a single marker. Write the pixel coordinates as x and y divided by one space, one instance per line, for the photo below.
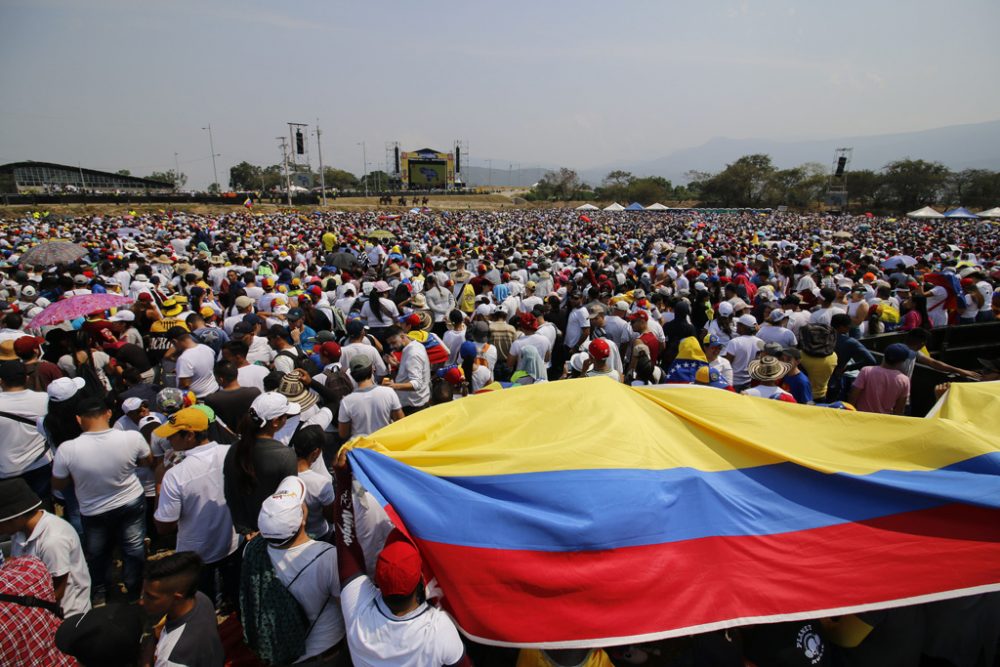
48 178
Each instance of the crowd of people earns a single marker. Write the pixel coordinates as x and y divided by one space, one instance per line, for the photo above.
192 432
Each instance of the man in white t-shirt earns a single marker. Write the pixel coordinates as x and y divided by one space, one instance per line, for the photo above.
193 505
369 407
528 324
195 363
775 329
413 375
307 568
578 322
101 465
743 349
35 532
936 298
23 452
388 621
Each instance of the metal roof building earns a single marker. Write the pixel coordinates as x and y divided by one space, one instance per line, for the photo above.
48 177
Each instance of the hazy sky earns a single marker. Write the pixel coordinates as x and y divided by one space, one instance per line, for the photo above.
125 84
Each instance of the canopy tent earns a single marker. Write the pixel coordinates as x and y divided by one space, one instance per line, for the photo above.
542 527
925 213
961 212
990 213
657 207
614 207
587 207
635 206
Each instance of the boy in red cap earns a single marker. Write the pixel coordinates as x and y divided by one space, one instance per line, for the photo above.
388 620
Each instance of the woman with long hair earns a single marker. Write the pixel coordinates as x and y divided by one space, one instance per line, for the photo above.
258 462
60 425
916 316
379 312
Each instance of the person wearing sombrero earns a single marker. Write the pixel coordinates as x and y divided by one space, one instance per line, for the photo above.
767 371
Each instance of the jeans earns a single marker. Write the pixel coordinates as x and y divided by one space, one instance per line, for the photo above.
221 579
125 527
40 481
71 509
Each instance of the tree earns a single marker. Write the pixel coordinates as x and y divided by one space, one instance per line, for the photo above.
169 177
340 179
742 183
123 172
649 190
214 189
560 184
244 176
863 187
978 188
911 184
377 181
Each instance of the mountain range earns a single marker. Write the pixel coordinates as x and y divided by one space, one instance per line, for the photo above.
956 146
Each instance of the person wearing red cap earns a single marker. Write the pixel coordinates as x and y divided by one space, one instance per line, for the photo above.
528 324
640 325
40 372
599 351
388 621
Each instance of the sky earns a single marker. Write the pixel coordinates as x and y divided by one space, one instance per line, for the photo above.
126 84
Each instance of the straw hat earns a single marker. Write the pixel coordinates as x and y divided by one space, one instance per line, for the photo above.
768 368
295 390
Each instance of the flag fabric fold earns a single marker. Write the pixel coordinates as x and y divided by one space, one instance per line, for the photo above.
586 513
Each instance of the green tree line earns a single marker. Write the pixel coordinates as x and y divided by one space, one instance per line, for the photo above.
754 181
245 177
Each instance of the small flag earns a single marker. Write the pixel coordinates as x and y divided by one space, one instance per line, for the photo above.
248 203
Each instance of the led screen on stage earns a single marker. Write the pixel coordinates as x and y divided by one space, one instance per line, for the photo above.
427 175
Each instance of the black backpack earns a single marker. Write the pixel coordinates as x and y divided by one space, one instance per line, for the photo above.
817 340
301 360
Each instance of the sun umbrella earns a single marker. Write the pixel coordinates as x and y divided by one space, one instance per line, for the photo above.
893 262
52 252
343 260
381 235
128 231
78 306
842 235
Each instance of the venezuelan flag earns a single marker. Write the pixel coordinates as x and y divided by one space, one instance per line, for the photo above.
585 513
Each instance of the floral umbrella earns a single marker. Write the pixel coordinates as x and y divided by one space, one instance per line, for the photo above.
78 306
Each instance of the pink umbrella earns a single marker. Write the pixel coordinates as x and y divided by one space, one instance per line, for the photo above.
78 306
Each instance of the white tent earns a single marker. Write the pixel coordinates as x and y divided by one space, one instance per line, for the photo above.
657 207
991 213
925 213
587 207
614 207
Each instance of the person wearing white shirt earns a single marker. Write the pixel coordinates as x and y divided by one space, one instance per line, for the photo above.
195 365
23 452
413 376
100 463
35 532
775 331
193 505
743 349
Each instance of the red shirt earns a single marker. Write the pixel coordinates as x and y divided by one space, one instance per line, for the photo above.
28 634
649 340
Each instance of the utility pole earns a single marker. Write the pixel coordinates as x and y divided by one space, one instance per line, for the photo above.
177 173
364 165
322 177
211 145
284 163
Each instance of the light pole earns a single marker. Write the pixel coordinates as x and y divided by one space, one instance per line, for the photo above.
322 177
177 173
364 165
211 145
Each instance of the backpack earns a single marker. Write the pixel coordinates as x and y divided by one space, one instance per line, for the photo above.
275 626
301 360
817 340
888 313
338 385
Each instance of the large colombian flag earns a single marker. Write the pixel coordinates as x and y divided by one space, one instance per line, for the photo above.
584 512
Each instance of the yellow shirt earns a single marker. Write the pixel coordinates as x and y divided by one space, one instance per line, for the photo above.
819 370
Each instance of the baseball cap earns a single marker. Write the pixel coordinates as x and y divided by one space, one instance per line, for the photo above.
777 315
206 311
360 362
123 316
132 404
595 311
747 321
397 571
281 513
599 348
271 405
28 291
711 340
528 321
16 498
452 375
176 333
793 352
295 314
621 305
412 320
725 309
331 349
355 327
62 389
242 329
188 419
638 315
26 344
898 352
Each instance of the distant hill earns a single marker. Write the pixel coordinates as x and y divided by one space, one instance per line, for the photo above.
957 146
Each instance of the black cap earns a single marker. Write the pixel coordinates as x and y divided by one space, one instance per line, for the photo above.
295 314
13 371
177 332
242 329
107 635
16 498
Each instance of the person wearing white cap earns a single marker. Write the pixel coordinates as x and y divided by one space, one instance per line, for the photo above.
257 462
307 568
124 327
775 331
722 325
742 350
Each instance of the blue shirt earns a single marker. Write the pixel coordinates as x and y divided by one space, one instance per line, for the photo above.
851 350
798 386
